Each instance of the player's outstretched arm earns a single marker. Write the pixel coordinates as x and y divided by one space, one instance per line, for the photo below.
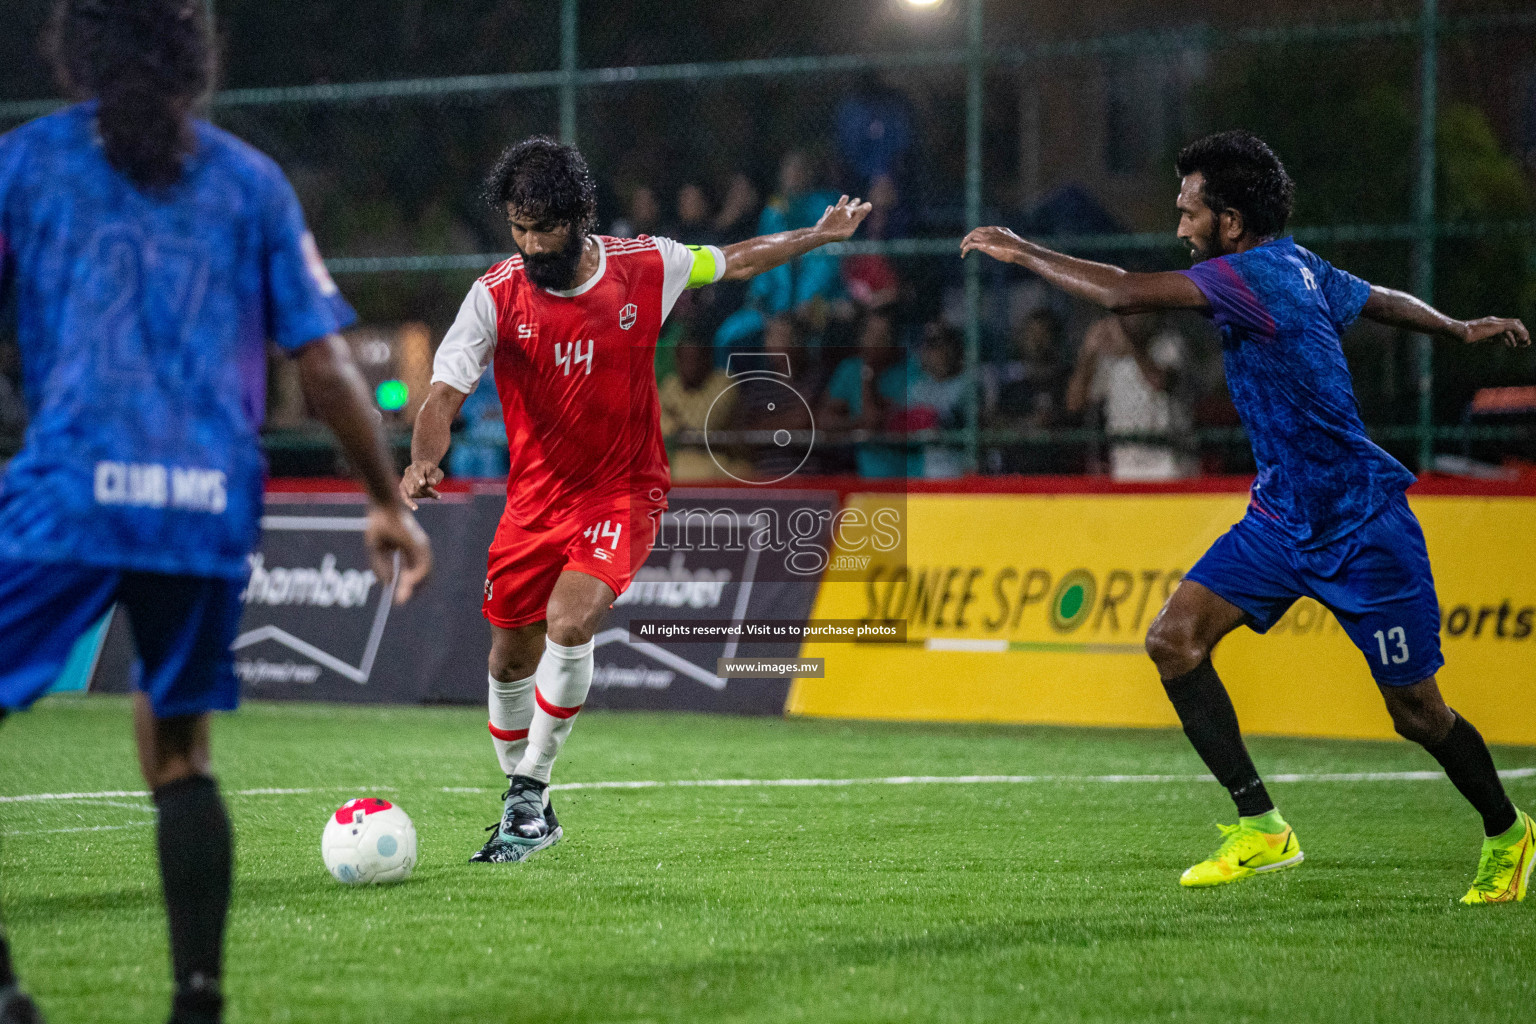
763 253
336 391
1120 291
429 443
1399 309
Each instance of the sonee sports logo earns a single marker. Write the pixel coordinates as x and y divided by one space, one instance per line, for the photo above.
627 316
1073 600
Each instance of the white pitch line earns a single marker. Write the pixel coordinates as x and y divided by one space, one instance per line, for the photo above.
85 828
27 798
889 780
119 803
31 797
924 780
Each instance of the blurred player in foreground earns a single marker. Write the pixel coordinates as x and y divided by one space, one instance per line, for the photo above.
151 257
571 324
1327 518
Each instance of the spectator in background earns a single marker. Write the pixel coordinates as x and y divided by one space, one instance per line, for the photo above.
480 449
687 397
868 392
1029 384
807 287
1131 370
1029 388
641 217
695 223
888 218
874 130
737 220
937 398
813 279
738 214
871 280
762 408
698 310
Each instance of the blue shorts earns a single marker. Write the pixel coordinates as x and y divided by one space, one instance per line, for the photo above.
1375 580
182 627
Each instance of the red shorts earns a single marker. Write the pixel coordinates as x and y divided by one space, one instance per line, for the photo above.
609 541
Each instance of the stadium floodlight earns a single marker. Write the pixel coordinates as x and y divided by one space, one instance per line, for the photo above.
923 3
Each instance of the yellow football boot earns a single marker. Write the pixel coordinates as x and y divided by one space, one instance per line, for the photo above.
1245 851
1504 870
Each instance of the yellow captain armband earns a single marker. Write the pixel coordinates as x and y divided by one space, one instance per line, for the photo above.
708 265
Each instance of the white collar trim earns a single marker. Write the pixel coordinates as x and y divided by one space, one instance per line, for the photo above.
597 275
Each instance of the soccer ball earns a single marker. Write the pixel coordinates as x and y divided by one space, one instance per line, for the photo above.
368 841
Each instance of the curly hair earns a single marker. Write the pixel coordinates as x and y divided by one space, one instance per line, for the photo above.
149 64
546 181
1241 173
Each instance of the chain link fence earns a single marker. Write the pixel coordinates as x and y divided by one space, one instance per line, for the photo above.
1409 125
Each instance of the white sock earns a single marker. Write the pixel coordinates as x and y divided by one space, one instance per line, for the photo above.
560 688
511 713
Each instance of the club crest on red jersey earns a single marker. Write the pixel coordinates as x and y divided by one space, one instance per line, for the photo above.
627 316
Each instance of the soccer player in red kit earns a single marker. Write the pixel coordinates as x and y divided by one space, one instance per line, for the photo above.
570 324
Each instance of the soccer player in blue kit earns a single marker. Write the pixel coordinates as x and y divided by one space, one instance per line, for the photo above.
151 257
1327 517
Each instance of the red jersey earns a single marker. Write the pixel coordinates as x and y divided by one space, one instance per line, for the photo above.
575 372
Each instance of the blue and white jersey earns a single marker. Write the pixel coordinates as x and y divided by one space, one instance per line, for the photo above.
142 319
1280 310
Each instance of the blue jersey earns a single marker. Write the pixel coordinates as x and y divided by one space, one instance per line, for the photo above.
143 320
1280 310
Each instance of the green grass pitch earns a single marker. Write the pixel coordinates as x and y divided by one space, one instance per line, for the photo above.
983 901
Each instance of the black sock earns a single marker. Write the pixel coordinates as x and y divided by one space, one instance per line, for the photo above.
195 867
1466 760
7 972
1211 725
